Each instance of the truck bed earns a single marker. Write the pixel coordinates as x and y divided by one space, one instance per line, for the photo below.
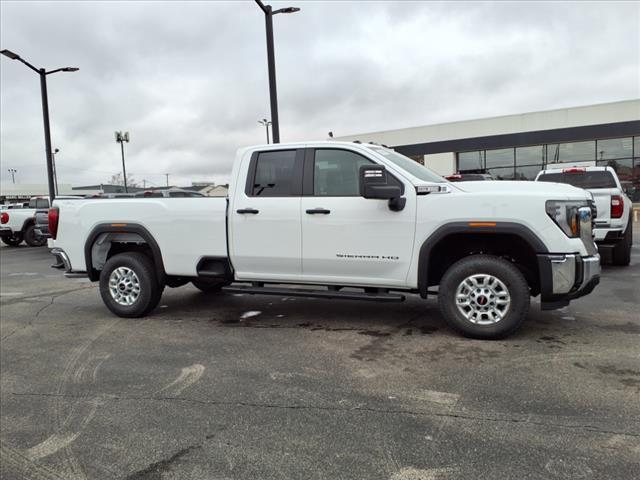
170 221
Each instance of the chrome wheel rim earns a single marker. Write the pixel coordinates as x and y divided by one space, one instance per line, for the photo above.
483 299
124 286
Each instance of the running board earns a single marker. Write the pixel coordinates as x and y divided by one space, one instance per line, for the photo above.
301 292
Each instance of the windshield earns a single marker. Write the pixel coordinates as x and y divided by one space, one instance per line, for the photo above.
414 168
596 179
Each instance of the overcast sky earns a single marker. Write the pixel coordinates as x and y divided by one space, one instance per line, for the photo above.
189 80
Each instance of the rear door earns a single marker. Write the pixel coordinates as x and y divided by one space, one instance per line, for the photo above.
347 238
264 215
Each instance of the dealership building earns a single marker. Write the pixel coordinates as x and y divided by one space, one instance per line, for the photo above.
517 147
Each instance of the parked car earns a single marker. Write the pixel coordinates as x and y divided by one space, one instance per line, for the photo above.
613 228
468 177
349 221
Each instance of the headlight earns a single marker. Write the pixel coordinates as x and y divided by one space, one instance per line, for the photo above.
565 215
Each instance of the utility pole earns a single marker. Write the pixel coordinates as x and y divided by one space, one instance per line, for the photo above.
13 172
55 171
121 138
167 175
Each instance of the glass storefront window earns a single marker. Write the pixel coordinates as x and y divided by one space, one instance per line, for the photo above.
623 167
528 172
499 158
530 155
614 148
571 152
636 146
501 173
471 161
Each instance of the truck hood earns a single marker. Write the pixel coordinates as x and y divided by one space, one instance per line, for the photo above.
558 191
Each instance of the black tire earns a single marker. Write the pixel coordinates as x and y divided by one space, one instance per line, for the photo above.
209 286
506 273
150 290
621 254
32 238
12 241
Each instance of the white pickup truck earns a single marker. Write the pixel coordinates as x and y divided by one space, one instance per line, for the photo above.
18 224
613 228
342 220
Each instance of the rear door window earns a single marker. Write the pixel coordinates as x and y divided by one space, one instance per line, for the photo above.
596 179
274 174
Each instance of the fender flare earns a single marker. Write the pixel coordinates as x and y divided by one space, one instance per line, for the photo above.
122 228
511 228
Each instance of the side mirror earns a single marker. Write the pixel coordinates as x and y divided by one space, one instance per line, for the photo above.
374 184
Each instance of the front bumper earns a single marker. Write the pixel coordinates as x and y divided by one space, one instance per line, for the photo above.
565 277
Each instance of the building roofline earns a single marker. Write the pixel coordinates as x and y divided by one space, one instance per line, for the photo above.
495 117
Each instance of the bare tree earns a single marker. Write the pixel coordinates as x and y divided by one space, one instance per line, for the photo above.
118 179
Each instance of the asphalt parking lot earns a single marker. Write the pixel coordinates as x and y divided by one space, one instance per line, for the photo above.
241 387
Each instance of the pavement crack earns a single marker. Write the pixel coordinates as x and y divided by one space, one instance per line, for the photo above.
374 410
53 295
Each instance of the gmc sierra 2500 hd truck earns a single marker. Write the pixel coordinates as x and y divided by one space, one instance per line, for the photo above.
342 220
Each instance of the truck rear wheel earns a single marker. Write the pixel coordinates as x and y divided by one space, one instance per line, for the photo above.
622 251
483 296
209 286
129 285
32 238
12 241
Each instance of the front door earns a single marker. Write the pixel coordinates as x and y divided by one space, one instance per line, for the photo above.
264 217
347 239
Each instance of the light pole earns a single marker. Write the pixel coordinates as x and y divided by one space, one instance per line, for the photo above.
273 94
45 111
122 137
13 172
265 123
55 171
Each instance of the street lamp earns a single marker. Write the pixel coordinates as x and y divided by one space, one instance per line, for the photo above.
265 123
268 16
13 172
45 111
121 138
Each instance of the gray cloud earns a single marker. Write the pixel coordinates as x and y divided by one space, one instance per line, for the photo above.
189 80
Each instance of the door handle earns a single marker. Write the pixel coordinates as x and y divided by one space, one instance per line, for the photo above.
248 210
321 211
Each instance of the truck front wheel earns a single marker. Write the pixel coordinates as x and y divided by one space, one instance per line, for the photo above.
484 296
129 286
32 238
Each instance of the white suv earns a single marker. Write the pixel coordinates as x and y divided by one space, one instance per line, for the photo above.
613 227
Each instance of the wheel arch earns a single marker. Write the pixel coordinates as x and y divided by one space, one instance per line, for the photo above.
121 233
484 231
27 222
